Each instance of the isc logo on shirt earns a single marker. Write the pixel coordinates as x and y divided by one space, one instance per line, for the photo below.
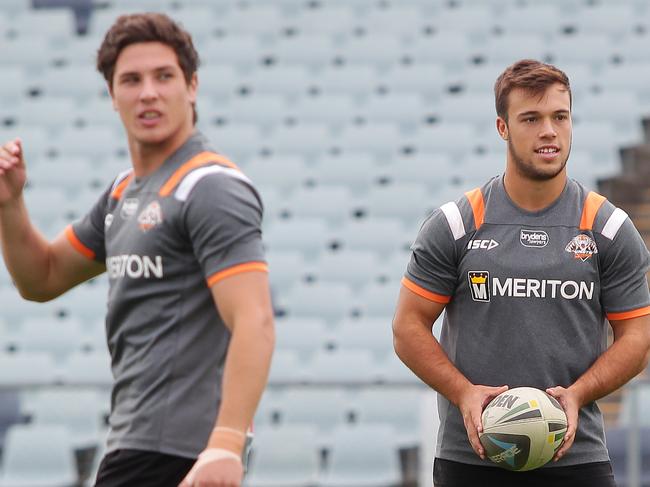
479 285
482 244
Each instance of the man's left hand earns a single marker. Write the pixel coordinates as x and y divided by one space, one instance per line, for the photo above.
571 406
226 471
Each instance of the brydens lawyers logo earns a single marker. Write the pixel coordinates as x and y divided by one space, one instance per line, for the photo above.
533 238
582 247
479 285
150 216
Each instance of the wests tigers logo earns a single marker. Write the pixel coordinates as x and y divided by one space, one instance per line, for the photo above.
582 247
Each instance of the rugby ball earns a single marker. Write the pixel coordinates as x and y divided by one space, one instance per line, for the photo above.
522 428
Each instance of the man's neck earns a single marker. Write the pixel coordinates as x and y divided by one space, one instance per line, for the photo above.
147 158
531 195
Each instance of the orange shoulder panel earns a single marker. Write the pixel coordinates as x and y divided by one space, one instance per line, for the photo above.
593 202
119 189
475 198
197 161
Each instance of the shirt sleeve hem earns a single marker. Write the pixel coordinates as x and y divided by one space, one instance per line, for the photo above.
626 315
77 245
237 269
420 291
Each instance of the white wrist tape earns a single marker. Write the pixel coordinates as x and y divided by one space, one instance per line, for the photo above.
208 456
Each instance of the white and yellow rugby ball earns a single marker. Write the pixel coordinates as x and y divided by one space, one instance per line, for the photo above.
522 429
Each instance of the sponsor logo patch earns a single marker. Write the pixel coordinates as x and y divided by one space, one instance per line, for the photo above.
582 247
108 220
129 207
533 238
482 244
150 216
479 285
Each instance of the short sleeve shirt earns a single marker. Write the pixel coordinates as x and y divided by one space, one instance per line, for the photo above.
528 294
165 239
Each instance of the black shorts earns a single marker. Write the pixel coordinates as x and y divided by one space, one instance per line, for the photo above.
130 468
453 474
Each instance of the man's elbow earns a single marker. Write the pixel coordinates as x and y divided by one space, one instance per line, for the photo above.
35 295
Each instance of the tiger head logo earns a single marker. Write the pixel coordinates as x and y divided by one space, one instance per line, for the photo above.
582 247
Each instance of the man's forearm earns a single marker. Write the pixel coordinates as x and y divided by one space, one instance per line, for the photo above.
421 352
245 373
24 249
626 358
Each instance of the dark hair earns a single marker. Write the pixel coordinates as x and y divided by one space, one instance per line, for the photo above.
147 27
533 76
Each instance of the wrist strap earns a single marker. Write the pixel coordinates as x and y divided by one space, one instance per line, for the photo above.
228 439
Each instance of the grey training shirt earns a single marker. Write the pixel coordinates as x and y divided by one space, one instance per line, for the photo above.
528 294
166 238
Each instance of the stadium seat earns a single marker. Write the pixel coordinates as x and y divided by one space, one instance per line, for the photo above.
263 20
379 299
506 50
329 301
357 170
308 235
218 81
626 77
431 169
402 410
451 138
265 110
353 267
616 21
88 369
237 141
92 142
333 21
363 456
303 336
82 412
59 339
617 447
334 110
9 412
378 51
396 21
56 25
477 21
374 234
202 21
349 366
380 139
49 113
282 171
286 268
426 79
27 369
594 49
240 51
311 51
30 53
325 409
451 50
372 334
332 203
286 369
82 82
38 455
409 202
407 109
14 84
284 457
291 81
307 140
357 80
529 19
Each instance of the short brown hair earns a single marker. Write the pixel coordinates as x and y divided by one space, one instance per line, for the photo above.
147 27
533 76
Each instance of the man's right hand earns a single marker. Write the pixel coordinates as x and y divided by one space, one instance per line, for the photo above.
471 404
12 171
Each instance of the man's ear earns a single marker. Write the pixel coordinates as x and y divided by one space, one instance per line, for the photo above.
502 128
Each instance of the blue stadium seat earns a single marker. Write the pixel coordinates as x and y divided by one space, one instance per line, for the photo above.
349 366
332 203
354 267
38 455
303 336
363 455
284 457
